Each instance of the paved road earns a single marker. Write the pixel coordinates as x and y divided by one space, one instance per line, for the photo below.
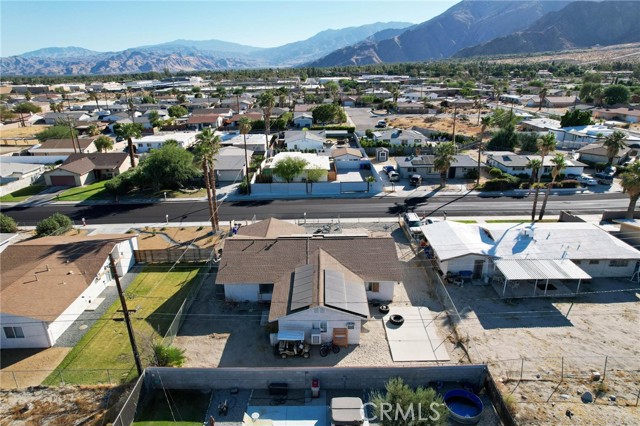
197 211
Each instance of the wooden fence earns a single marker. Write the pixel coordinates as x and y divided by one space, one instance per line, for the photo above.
174 255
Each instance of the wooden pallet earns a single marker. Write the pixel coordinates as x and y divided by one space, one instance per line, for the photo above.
341 337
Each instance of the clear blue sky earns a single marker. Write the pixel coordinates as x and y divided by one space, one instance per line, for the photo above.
118 24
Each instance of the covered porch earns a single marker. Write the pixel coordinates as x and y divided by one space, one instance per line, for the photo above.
521 278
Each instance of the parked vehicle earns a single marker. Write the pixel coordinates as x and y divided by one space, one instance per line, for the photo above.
415 180
388 169
412 224
329 346
291 343
381 124
605 181
603 175
429 221
394 176
586 180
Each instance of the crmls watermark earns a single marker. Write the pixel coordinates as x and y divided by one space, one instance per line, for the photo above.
387 411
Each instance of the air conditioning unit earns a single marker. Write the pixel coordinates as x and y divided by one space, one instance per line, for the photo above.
316 337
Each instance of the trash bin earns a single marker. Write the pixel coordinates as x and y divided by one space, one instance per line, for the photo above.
315 388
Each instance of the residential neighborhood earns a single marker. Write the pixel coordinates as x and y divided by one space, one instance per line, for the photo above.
250 236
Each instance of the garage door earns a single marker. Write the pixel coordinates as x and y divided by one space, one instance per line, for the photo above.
63 181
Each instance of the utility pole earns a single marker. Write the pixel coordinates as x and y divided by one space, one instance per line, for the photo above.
455 113
127 320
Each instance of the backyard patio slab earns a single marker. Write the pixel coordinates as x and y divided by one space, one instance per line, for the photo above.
417 338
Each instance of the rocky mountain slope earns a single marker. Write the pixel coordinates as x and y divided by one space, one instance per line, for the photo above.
578 25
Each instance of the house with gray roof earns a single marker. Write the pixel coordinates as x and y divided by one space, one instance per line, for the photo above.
400 137
231 164
83 169
514 164
423 165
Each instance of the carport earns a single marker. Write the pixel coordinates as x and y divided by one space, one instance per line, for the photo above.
536 277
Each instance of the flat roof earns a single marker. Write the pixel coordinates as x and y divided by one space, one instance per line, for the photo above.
539 269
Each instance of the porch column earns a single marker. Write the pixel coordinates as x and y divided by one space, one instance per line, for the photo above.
535 286
504 289
578 290
546 284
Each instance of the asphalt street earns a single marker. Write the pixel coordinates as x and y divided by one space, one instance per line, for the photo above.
197 211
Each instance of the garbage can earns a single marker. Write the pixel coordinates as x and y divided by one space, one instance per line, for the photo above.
315 388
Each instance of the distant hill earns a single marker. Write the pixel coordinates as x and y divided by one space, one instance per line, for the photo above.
463 25
60 52
187 55
578 25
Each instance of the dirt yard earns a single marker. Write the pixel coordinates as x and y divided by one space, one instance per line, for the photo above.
174 237
560 340
90 406
218 334
28 367
20 132
464 127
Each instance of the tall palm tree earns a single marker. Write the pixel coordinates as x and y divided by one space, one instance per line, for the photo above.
559 163
542 95
535 165
614 143
245 127
630 181
207 147
444 157
93 96
237 92
266 101
129 131
486 122
546 144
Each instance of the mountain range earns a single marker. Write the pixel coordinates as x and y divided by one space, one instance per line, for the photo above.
469 28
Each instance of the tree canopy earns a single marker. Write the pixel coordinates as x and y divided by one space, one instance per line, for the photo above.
26 107
504 139
329 113
56 224
616 94
630 180
169 167
55 132
103 143
177 111
575 118
290 167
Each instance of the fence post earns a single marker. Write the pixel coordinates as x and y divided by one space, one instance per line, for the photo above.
61 378
109 377
604 373
562 370
521 368
14 379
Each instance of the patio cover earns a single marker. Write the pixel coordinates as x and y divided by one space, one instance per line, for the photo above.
540 269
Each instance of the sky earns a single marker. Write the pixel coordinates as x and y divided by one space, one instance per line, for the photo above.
27 25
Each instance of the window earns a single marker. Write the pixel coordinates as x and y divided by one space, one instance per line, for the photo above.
594 262
411 169
619 263
404 141
351 325
13 332
266 288
417 141
323 326
373 287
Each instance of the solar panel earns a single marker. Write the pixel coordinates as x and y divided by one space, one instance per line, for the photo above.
349 297
302 293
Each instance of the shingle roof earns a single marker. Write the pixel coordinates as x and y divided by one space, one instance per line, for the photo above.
41 277
252 260
203 118
270 228
66 143
339 152
80 166
84 163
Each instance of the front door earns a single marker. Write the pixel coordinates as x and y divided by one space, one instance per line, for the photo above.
478 266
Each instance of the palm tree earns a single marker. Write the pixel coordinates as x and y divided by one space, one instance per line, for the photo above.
546 144
614 143
93 96
207 147
221 92
542 95
559 164
129 131
237 92
630 181
535 165
444 157
245 127
266 101
486 122
103 143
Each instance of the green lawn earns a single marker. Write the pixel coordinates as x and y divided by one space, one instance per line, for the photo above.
466 221
153 297
173 407
22 194
94 191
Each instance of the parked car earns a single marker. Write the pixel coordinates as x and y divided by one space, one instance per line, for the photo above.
415 180
611 170
381 124
387 169
394 176
586 180
605 180
412 224
603 175
429 221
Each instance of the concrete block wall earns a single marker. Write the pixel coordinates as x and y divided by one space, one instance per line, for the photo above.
300 378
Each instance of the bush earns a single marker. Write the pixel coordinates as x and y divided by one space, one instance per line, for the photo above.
7 224
55 224
504 183
168 356
570 183
471 174
495 172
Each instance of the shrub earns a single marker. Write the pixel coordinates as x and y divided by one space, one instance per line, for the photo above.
7 224
168 356
501 184
55 224
471 174
495 172
571 183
